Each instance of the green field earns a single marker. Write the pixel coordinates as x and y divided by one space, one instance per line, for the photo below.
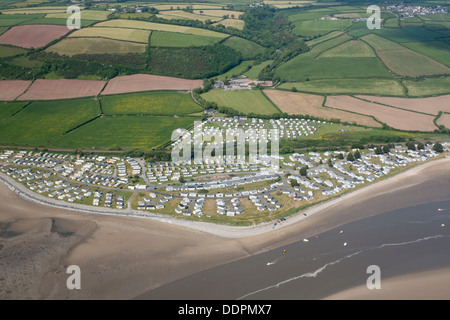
380 43
42 121
7 51
126 132
8 109
150 103
319 27
438 50
175 39
323 38
348 86
73 46
124 34
410 63
352 48
245 101
255 70
236 71
248 49
430 86
85 14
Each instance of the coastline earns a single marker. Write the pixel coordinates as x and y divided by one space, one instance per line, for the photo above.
225 231
122 257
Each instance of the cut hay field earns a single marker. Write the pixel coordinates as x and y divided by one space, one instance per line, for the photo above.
127 132
145 82
134 24
85 14
43 89
175 39
341 86
73 46
410 63
180 14
234 23
42 121
32 36
444 120
427 86
393 117
133 35
9 90
309 104
150 103
245 101
431 105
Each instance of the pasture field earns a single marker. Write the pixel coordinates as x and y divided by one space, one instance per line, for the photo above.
341 86
42 121
132 35
255 70
393 117
352 48
3 29
134 24
427 86
319 27
437 50
73 46
309 104
391 23
328 36
245 101
8 109
34 10
381 44
7 51
234 23
246 47
150 103
127 132
410 63
178 40
236 71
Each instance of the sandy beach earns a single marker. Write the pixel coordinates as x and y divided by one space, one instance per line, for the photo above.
124 257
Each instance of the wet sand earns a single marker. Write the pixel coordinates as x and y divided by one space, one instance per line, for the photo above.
123 257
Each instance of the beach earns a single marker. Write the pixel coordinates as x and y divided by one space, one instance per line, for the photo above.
126 257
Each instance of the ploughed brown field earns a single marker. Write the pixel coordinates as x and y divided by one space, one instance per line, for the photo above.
145 82
431 105
44 89
9 90
444 119
32 36
311 104
393 117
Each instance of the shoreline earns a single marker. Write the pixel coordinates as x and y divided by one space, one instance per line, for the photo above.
221 230
125 257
